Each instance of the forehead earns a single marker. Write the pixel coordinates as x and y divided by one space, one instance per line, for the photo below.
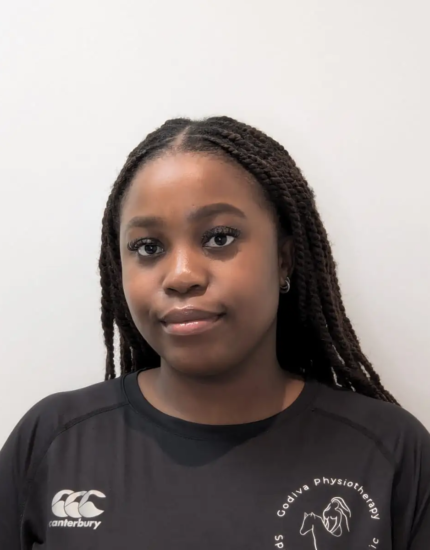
178 182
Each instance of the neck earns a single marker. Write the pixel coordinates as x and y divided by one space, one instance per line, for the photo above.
256 389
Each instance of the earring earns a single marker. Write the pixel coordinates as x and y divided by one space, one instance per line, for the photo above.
285 287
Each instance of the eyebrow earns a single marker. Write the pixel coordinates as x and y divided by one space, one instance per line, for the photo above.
208 211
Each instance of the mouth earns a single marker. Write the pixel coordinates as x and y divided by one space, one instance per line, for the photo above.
189 328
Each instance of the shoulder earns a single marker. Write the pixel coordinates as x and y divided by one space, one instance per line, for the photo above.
58 410
55 413
393 429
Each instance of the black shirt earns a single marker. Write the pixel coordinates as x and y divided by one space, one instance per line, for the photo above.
100 468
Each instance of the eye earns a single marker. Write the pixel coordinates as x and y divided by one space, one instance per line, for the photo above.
144 247
221 237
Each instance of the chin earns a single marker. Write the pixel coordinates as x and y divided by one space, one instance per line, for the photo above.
199 367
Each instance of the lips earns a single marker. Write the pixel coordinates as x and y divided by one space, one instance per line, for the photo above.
192 327
188 315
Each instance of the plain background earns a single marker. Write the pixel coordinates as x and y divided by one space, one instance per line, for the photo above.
344 86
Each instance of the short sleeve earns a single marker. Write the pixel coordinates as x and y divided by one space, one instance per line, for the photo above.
411 493
19 459
12 479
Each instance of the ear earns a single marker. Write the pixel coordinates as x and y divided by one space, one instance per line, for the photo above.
286 258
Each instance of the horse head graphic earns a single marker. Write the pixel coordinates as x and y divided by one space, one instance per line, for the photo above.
334 519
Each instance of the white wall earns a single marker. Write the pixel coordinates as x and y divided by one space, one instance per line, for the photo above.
344 85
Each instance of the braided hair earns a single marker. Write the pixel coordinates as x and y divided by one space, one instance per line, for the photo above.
321 342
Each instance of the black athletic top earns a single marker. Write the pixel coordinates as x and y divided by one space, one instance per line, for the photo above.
100 468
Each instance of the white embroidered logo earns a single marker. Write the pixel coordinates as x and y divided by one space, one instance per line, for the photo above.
334 518
334 522
77 505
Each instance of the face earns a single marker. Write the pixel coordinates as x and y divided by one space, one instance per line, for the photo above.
195 232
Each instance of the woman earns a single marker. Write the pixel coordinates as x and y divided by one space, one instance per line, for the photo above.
244 401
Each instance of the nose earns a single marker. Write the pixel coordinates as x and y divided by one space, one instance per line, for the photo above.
185 271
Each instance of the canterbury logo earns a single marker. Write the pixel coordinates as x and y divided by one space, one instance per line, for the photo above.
76 505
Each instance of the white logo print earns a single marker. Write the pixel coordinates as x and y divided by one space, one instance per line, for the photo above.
76 505
335 516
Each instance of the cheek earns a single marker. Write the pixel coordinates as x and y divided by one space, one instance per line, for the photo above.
138 294
253 283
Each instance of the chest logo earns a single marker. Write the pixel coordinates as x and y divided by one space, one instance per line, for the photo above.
334 519
313 513
76 505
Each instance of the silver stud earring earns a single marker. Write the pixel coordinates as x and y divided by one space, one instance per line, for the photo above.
286 287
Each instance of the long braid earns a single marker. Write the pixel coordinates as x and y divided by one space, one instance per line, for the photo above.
322 343
107 309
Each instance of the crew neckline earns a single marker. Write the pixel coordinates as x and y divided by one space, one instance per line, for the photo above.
195 430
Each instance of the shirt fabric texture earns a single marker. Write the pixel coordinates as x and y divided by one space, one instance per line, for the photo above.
100 468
